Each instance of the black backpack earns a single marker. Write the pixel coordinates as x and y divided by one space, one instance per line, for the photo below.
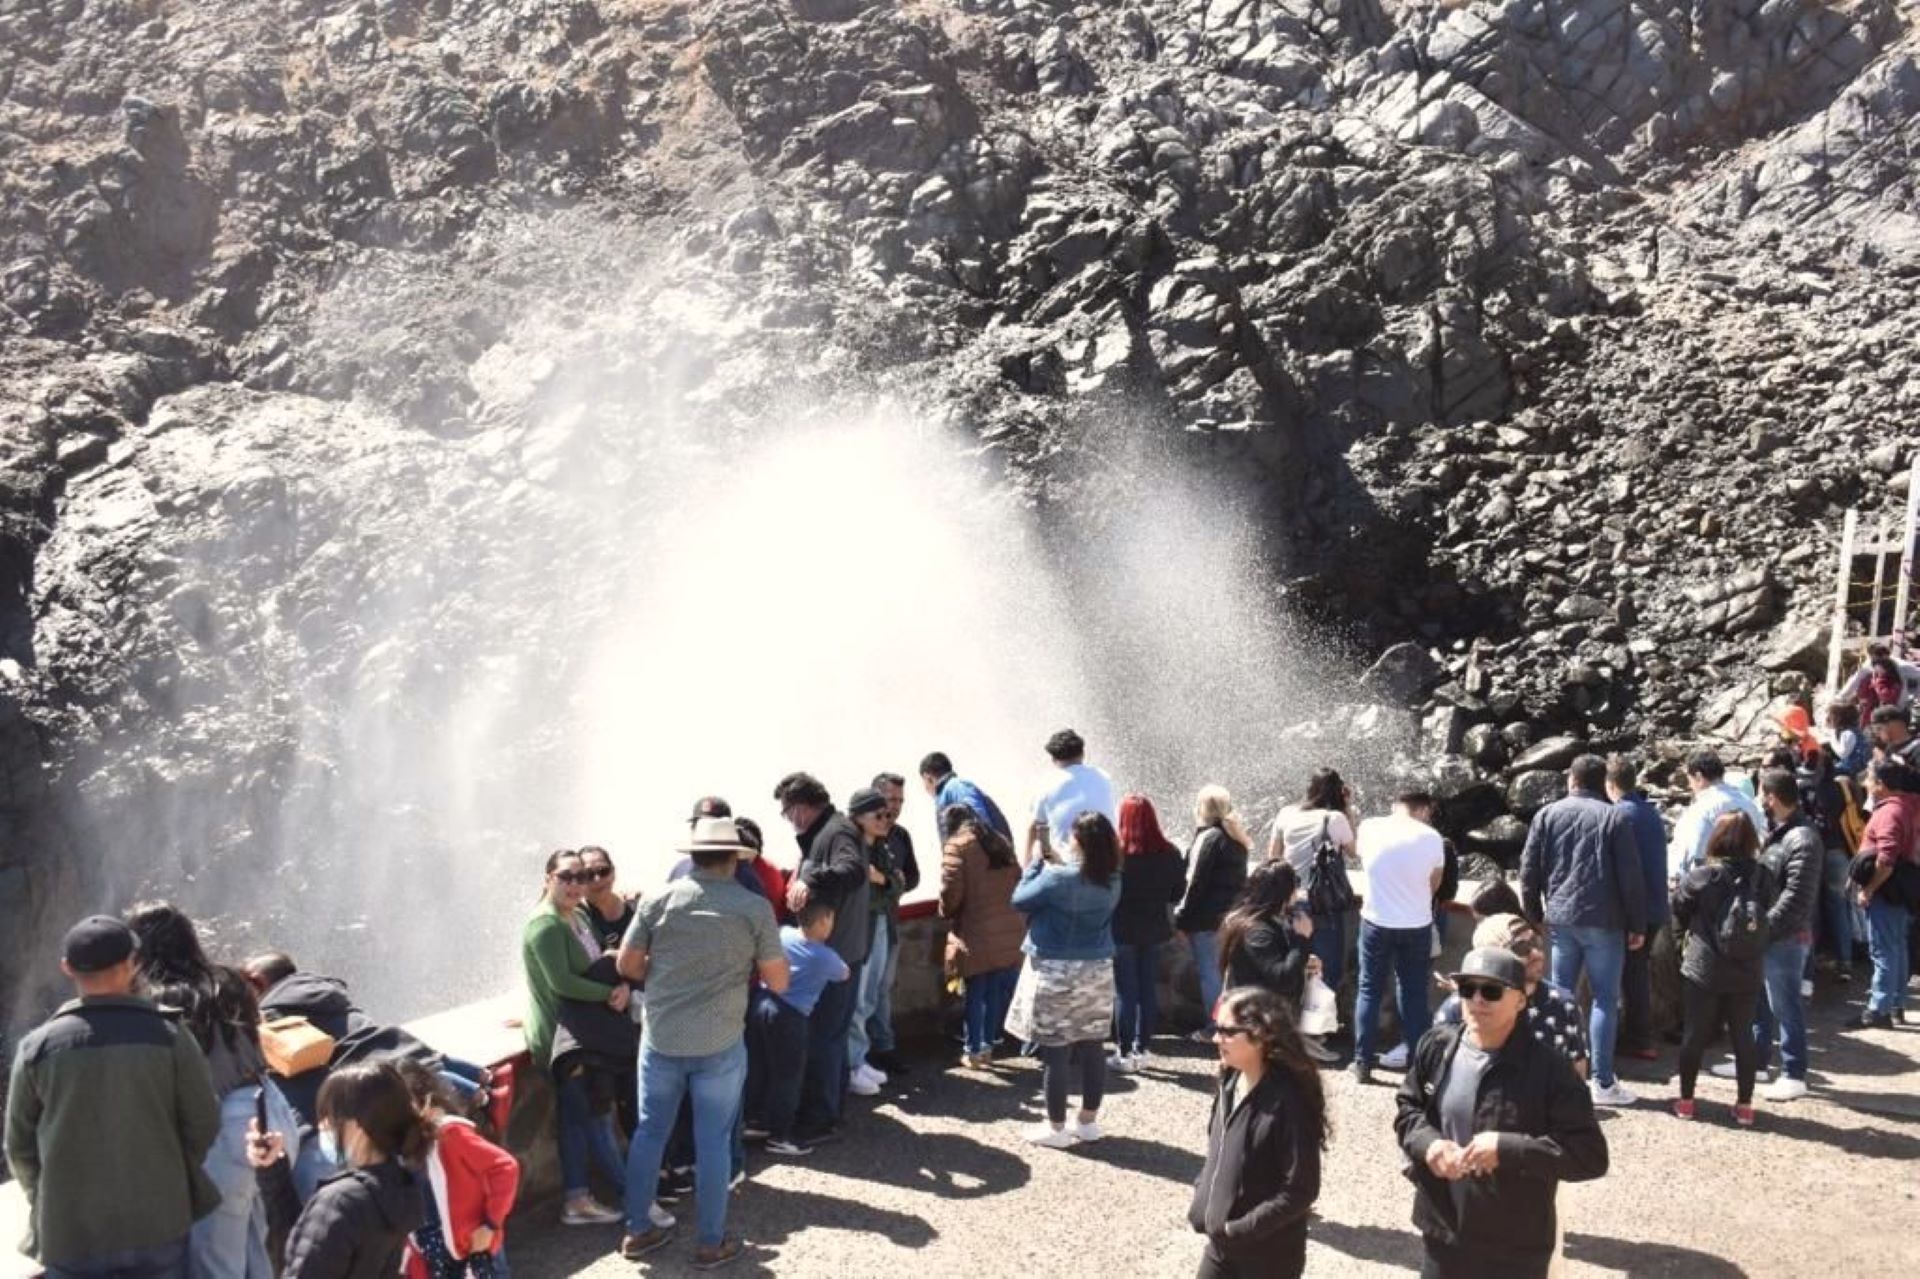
1741 934
1329 891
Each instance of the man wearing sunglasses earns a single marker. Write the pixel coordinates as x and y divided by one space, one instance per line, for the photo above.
1491 1122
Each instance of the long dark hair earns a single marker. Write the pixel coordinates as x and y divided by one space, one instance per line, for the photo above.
1269 887
1270 1024
1326 789
955 818
375 1096
554 858
1099 847
174 967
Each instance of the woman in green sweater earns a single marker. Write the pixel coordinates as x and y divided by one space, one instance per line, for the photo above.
557 947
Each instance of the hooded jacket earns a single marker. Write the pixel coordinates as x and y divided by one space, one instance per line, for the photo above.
355 1226
326 1002
1262 1175
1543 1114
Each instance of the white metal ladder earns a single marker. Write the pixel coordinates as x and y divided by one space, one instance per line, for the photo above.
1874 586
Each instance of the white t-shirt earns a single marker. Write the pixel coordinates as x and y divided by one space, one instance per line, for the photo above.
1298 830
1078 788
1399 856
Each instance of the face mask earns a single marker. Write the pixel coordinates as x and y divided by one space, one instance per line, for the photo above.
329 1144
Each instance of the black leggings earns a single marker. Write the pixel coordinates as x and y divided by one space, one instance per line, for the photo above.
1090 1056
1706 1014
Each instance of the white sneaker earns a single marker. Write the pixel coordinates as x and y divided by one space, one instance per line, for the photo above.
1787 1089
1142 1059
1729 1070
861 1084
1089 1131
874 1073
1120 1062
1395 1060
1614 1096
659 1218
589 1212
1049 1136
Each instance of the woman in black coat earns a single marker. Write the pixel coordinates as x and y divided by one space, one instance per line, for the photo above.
1722 905
1262 1175
357 1222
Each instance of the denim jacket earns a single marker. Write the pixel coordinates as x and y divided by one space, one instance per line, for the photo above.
1068 916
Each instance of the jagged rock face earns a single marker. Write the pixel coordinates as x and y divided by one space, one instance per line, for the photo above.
1556 335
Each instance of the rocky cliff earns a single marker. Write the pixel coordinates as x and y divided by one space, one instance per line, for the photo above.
1557 335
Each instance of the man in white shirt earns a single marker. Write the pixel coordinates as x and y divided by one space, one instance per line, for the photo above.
1404 859
1712 796
1078 788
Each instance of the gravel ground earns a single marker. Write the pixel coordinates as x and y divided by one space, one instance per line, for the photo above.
933 1178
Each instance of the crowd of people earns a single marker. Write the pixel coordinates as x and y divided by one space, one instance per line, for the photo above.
182 1116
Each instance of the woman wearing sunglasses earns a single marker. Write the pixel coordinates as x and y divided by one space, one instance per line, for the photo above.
607 909
1269 1125
557 947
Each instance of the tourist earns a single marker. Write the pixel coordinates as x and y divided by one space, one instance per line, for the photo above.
1722 903
469 1188
948 788
217 1007
1845 739
833 869
746 871
1321 820
882 1045
694 947
1404 861
110 1115
1068 899
1216 871
607 909
1152 879
557 947
1255 1193
1713 795
1650 841
1266 942
1795 858
978 873
1494 897
1553 1015
1581 875
885 882
1893 837
777 1028
1893 736
1078 788
1491 1122
356 1224
1881 680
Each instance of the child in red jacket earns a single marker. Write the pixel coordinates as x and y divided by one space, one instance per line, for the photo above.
470 1188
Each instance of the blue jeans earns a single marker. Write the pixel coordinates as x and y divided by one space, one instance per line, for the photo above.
1206 964
826 1079
1603 953
1786 965
1887 942
584 1134
872 980
163 1261
880 1021
988 995
716 1083
1136 984
1329 943
776 1063
1836 907
1404 952
231 1241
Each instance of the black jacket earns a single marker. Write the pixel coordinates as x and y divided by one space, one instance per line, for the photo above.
1150 883
1796 855
1581 867
1548 1134
1218 873
1271 955
833 866
1262 1174
1699 901
325 1002
355 1225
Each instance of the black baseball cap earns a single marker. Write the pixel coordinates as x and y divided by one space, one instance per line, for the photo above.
97 943
710 806
1494 963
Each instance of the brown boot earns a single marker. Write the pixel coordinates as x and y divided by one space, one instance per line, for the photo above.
634 1247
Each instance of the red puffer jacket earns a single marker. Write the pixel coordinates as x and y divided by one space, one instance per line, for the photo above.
474 1184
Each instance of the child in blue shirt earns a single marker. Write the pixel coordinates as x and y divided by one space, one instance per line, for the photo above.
777 1028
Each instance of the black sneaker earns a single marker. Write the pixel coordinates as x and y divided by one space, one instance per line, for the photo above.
1361 1072
674 1186
816 1136
1869 1021
890 1063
